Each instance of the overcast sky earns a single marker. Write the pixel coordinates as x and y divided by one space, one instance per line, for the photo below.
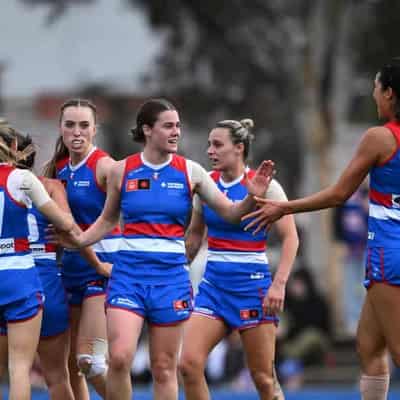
97 43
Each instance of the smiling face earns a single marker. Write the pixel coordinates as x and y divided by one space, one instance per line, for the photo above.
164 135
222 152
78 128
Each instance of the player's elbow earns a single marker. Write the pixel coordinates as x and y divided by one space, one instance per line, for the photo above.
339 196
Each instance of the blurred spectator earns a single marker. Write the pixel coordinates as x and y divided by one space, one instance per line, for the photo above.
351 226
305 329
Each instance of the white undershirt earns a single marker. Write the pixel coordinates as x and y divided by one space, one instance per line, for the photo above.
26 188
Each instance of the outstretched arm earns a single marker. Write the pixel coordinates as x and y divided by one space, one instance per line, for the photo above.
233 211
373 148
109 217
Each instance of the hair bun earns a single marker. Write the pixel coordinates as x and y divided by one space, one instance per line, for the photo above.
247 123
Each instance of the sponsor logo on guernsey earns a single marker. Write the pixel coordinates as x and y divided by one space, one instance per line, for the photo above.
371 235
137 184
396 200
173 185
81 183
7 246
257 275
123 301
248 314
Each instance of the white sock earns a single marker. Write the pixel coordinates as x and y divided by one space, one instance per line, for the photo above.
374 387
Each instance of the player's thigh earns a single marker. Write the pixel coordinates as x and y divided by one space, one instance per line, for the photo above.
23 338
123 332
75 317
54 351
92 322
259 347
164 344
371 343
200 335
3 355
385 300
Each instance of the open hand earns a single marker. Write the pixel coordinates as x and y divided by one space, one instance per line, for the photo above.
258 185
267 212
274 299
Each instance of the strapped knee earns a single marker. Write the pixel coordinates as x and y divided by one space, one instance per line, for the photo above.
94 364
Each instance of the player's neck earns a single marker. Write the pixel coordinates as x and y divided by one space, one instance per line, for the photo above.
233 173
156 157
76 158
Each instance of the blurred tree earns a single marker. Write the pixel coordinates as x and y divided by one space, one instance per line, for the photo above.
274 61
375 41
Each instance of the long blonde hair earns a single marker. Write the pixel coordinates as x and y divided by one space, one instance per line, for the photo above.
8 137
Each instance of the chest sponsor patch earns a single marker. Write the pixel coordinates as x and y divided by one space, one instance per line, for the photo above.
173 185
137 184
81 183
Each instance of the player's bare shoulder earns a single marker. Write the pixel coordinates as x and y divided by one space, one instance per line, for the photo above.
104 164
116 173
379 134
379 140
52 185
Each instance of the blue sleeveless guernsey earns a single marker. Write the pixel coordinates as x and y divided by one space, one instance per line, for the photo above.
383 246
86 200
18 278
155 205
236 258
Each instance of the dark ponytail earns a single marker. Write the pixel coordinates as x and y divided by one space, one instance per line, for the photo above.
147 115
389 76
